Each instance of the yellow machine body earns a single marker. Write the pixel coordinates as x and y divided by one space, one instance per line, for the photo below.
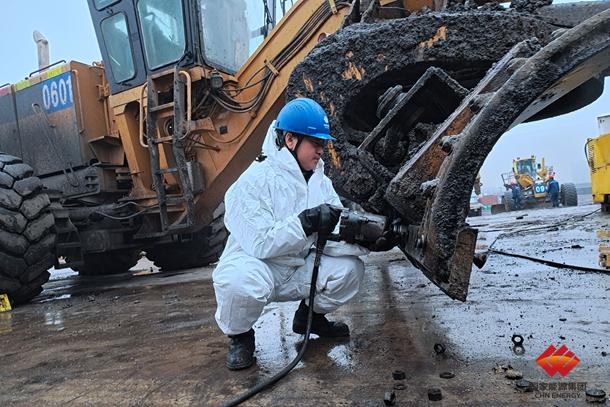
5 304
598 157
526 172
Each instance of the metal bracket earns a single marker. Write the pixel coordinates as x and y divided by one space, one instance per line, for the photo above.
272 68
333 6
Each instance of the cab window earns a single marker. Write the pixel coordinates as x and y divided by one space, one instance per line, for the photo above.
163 33
116 38
232 30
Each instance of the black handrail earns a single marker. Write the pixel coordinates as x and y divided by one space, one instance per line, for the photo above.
46 67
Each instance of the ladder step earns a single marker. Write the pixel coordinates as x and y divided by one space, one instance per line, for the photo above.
179 227
161 107
163 139
108 139
167 170
175 200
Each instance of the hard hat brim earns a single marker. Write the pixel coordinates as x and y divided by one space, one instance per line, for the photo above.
323 136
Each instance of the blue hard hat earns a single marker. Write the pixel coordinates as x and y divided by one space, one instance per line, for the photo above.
304 116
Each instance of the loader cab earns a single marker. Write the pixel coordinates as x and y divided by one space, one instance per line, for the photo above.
138 38
526 166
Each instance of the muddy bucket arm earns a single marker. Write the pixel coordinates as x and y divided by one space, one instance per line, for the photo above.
517 88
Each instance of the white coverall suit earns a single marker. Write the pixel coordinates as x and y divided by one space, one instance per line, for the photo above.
268 257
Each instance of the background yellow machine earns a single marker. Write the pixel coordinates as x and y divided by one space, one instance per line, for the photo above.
532 177
598 157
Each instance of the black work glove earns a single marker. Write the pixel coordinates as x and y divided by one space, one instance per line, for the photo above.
322 219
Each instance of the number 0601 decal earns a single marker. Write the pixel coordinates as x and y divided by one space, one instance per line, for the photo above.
57 93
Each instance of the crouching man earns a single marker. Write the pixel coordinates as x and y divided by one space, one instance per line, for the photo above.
274 213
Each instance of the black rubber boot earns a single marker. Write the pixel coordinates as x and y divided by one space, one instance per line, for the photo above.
241 351
319 325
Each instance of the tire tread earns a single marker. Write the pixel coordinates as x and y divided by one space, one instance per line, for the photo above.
27 235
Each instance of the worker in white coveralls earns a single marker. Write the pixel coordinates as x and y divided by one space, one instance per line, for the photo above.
274 213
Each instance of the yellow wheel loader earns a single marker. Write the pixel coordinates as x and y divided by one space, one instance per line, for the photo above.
532 178
102 161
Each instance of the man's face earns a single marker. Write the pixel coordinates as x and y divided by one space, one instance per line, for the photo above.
309 152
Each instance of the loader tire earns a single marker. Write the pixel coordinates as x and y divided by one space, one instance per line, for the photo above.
27 232
497 208
568 194
106 263
204 249
509 202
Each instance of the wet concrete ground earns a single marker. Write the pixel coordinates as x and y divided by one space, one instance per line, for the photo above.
151 339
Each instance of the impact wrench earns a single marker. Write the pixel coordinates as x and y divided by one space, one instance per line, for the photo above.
354 227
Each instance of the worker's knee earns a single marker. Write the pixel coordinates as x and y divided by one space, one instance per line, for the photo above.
340 282
347 271
355 270
245 277
243 288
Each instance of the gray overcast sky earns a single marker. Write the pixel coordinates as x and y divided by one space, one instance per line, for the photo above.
67 26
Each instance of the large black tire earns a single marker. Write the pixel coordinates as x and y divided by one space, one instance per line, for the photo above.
27 233
568 194
204 248
497 208
113 262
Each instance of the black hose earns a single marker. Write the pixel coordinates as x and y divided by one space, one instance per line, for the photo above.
549 262
321 243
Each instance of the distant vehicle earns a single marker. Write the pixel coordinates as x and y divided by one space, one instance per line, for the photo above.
598 157
532 178
476 208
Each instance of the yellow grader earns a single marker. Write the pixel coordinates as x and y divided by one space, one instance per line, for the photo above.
102 161
532 178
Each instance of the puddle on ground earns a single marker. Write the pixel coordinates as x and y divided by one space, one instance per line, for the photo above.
6 322
61 297
342 356
54 319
